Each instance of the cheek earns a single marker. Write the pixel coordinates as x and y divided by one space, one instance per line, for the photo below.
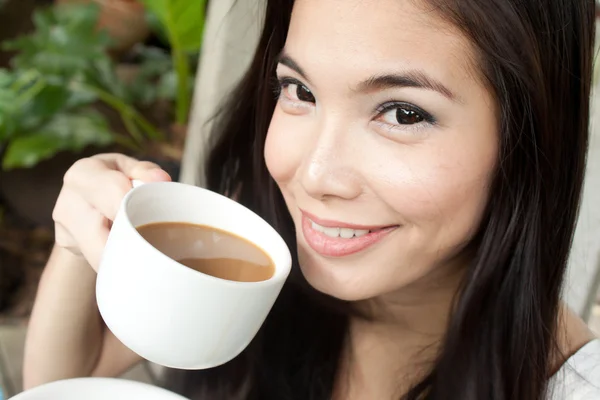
442 191
461 194
283 150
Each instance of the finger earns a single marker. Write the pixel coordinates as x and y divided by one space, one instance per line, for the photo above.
144 171
116 161
104 187
101 187
81 229
63 239
93 240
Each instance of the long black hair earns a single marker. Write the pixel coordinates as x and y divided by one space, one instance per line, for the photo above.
536 58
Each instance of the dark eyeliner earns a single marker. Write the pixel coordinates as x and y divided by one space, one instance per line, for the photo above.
280 83
286 81
392 105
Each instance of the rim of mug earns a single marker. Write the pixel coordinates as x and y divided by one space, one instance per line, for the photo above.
66 385
281 271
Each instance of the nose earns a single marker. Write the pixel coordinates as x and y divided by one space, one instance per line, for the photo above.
331 168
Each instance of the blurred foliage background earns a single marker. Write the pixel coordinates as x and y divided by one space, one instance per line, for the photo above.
79 77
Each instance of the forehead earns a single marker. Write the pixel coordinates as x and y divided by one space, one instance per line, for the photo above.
362 37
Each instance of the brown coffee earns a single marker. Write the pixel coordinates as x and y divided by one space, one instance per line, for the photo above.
210 251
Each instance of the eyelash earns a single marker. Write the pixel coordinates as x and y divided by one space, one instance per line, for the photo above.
394 105
281 83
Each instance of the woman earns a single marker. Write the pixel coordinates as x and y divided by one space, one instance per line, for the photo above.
426 159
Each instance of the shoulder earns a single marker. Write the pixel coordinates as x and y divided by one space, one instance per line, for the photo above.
579 377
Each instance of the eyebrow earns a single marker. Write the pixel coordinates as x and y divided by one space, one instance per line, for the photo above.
407 79
289 62
413 79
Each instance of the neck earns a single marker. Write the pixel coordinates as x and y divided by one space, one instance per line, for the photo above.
396 345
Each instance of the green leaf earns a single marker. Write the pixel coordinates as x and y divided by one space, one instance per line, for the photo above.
102 73
155 61
9 99
27 151
7 96
65 41
157 27
6 78
155 64
167 86
44 105
79 98
7 125
183 20
71 132
61 66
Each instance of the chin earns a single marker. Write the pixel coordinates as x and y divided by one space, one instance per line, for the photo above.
337 281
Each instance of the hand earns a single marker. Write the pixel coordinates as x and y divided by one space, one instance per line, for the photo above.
88 202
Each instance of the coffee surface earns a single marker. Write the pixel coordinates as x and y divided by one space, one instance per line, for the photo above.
209 250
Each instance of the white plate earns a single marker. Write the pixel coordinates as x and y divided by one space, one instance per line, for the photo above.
97 389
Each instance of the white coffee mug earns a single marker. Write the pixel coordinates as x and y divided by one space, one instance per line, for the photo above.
170 314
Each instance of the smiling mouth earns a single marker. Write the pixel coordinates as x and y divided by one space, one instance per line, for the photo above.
344 233
334 239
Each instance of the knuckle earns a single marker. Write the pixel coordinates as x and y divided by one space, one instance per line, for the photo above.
56 214
145 165
63 241
119 183
103 157
73 173
110 155
62 237
57 211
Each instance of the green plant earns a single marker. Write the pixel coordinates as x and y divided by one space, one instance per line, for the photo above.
182 23
60 71
155 66
36 120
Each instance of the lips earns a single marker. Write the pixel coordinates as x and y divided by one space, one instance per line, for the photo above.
337 239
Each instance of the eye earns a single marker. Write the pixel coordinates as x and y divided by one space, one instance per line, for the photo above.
294 90
403 114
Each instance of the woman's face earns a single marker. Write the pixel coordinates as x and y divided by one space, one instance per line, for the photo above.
383 143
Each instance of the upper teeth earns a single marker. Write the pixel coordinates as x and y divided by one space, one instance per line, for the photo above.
345 233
